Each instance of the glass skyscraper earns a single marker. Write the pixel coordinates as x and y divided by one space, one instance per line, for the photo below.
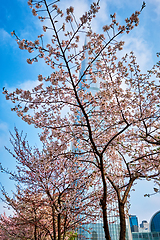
95 231
133 223
154 233
155 222
146 236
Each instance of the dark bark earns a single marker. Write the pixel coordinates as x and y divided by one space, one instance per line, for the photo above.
64 231
53 224
103 203
105 220
59 226
122 221
35 226
35 232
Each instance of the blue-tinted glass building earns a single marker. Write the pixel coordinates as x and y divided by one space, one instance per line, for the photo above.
133 223
95 231
155 222
154 233
146 236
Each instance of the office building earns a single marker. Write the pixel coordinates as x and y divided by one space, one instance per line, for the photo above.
146 236
144 226
133 223
95 231
154 227
155 222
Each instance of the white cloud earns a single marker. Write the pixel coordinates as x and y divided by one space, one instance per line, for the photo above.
102 18
27 85
80 7
141 50
156 4
5 36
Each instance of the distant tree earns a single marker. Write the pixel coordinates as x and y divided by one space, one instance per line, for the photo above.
53 194
110 103
18 227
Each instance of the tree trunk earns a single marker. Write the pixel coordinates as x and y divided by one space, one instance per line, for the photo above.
53 222
103 203
35 226
64 231
122 221
59 226
35 232
105 220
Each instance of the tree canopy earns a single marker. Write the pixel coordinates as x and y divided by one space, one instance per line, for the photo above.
95 109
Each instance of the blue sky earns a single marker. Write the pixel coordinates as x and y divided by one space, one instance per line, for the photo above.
15 72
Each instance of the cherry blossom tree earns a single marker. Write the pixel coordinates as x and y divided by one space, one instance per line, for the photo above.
100 104
13 227
53 195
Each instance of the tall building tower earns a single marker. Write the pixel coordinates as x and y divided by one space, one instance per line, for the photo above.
144 233
133 223
95 230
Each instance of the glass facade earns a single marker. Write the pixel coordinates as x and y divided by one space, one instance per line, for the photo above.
95 231
155 223
146 235
154 227
133 223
